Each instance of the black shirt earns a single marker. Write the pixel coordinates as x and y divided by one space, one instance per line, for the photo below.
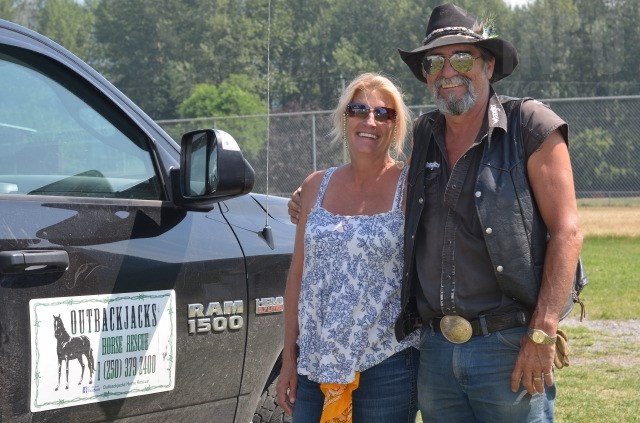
452 260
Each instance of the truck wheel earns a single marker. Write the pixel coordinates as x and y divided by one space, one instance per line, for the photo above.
268 411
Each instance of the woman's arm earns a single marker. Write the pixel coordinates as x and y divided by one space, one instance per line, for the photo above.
288 379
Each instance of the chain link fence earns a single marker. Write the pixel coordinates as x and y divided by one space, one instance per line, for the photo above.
604 140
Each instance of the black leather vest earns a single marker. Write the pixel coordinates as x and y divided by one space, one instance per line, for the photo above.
517 238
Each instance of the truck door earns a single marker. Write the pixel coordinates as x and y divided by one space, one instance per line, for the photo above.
114 303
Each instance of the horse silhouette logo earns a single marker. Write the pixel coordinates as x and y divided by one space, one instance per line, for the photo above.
72 348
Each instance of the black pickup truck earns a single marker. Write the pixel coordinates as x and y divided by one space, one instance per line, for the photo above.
139 279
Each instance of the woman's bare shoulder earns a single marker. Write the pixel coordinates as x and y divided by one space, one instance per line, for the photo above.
310 188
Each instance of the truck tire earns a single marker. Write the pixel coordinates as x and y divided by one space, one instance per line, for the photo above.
268 410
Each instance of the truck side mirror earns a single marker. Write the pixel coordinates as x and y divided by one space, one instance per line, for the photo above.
212 168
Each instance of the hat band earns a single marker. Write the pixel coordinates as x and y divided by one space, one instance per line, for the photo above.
461 30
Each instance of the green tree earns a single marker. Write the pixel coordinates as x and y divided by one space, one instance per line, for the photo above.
6 10
591 153
139 40
159 50
545 41
623 46
232 98
596 65
68 23
24 12
361 48
202 102
334 41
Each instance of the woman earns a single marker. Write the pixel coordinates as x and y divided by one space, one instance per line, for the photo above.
340 357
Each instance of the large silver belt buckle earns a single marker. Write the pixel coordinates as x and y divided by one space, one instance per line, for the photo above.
456 329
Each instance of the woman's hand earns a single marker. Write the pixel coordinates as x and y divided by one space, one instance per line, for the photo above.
287 386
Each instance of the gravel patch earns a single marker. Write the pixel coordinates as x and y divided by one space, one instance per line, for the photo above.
615 327
617 342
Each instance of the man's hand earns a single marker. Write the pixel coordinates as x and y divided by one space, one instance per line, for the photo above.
534 367
294 206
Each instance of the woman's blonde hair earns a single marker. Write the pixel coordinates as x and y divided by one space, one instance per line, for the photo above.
368 82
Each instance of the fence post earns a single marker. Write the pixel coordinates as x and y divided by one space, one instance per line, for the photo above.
313 141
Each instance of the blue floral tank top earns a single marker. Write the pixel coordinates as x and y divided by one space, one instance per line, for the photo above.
350 292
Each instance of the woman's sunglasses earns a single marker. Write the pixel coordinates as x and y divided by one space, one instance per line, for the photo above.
461 62
380 114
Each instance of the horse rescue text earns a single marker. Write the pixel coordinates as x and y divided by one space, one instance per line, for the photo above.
110 346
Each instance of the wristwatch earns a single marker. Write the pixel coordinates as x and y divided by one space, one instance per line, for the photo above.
540 337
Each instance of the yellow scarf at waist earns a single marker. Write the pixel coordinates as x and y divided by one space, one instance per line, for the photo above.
338 405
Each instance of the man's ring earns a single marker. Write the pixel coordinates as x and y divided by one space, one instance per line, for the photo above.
537 378
547 374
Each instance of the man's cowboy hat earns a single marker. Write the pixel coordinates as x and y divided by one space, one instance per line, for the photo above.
450 24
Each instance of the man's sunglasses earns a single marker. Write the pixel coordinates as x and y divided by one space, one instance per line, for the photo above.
380 114
461 62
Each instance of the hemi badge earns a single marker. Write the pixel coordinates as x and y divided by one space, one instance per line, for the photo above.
269 305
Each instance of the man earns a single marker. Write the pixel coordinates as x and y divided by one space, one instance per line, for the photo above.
491 235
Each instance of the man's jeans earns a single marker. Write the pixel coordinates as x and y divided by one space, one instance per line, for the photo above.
386 394
471 382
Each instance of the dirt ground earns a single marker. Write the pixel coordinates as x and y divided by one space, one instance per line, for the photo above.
617 342
624 221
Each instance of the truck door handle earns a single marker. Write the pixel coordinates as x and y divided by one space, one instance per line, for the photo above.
33 261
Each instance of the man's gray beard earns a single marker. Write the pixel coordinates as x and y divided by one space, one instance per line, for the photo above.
451 105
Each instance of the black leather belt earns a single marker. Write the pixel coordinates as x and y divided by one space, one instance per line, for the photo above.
494 322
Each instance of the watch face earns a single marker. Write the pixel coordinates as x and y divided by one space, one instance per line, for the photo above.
537 337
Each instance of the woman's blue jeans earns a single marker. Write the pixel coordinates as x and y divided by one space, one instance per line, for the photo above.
471 382
386 394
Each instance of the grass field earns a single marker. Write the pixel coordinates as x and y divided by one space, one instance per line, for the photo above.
612 264
602 384
610 221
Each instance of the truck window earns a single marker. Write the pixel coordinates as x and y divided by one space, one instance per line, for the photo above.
57 137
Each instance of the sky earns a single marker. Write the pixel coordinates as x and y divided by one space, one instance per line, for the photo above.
514 3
